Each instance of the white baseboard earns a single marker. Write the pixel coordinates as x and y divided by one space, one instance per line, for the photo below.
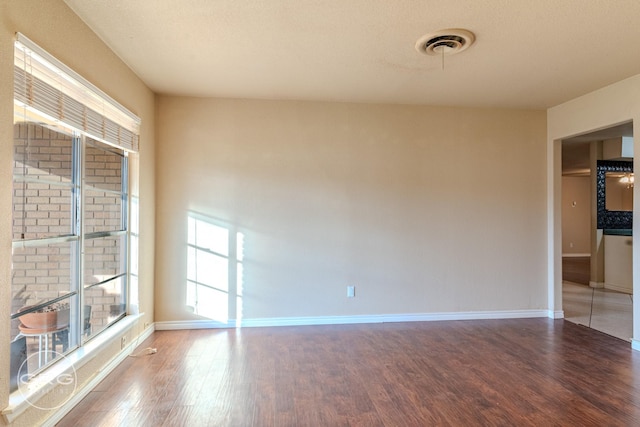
344 320
556 314
618 288
585 255
101 375
597 285
193 324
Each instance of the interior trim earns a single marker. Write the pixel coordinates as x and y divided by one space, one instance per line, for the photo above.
344 320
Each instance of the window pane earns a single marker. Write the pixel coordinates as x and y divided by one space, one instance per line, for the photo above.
42 304
103 195
134 293
42 153
103 166
135 216
38 338
41 210
103 304
103 259
104 282
102 211
40 273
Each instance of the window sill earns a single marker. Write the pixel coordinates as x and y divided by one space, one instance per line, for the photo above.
41 384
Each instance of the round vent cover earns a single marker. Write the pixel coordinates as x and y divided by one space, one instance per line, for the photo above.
445 42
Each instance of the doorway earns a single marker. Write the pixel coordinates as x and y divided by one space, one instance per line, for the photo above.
591 297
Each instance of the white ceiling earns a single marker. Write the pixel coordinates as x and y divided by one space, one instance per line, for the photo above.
527 54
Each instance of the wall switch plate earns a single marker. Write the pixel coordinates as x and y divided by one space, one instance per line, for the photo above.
351 291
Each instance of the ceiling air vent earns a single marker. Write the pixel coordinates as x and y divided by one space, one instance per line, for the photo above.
445 42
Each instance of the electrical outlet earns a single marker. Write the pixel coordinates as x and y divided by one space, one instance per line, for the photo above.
351 291
123 342
146 325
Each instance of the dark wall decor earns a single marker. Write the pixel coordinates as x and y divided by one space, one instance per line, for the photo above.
614 220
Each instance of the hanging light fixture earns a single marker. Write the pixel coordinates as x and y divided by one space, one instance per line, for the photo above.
627 180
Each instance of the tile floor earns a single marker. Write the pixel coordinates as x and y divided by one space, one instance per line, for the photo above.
607 311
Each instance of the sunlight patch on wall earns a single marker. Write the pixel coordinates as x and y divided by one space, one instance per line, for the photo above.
214 269
239 275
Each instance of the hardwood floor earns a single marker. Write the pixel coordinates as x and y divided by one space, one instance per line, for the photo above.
526 372
576 269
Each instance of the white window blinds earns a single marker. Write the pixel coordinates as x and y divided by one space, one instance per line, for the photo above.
45 86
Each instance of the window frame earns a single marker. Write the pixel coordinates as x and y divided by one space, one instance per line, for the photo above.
78 286
94 116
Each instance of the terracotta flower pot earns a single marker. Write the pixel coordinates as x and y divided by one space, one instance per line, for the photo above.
40 321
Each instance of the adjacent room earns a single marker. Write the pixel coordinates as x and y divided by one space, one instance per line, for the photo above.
306 213
597 206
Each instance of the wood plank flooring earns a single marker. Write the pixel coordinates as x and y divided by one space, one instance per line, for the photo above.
525 372
576 269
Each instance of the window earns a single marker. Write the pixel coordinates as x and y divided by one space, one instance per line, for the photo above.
70 259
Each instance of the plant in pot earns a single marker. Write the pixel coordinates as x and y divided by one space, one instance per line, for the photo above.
50 317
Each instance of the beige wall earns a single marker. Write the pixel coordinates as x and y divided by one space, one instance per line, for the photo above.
54 27
611 105
576 215
423 209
